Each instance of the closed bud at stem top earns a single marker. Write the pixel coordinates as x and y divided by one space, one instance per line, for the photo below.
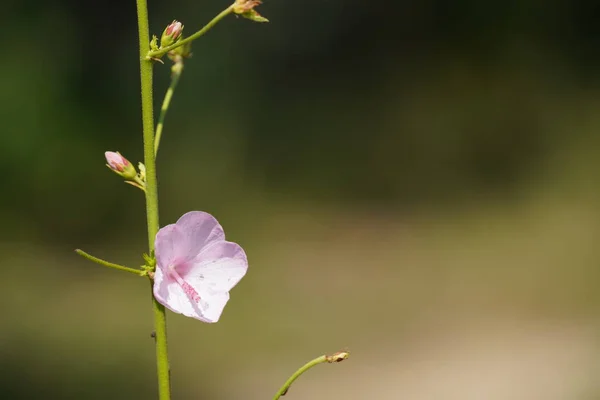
338 357
245 8
171 34
120 165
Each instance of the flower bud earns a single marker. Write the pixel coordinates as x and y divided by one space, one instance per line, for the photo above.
245 8
120 165
171 34
338 356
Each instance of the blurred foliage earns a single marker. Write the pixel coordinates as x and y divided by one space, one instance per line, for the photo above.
362 152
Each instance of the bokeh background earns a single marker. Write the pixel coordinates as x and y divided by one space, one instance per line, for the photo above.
415 181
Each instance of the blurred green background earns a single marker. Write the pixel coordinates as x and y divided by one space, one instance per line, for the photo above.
415 181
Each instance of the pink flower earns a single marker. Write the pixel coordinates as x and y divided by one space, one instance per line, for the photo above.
196 267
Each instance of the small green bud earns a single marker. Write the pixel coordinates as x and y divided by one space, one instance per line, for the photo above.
153 43
171 34
142 174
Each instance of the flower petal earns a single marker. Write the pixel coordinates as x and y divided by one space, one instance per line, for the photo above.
170 294
222 249
214 306
217 269
199 229
170 246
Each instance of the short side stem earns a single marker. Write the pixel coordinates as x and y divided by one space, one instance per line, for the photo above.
162 360
161 52
334 358
283 390
105 263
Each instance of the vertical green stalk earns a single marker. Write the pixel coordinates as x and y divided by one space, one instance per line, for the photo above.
160 323
176 71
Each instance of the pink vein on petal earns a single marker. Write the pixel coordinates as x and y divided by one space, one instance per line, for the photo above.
187 288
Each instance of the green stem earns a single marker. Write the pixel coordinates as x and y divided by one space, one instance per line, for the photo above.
162 360
100 261
283 390
336 357
160 52
176 71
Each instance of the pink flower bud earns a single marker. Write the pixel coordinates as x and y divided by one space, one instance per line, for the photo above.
116 161
174 29
171 34
120 164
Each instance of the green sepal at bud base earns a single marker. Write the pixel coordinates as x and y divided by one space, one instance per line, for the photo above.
254 16
171 34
